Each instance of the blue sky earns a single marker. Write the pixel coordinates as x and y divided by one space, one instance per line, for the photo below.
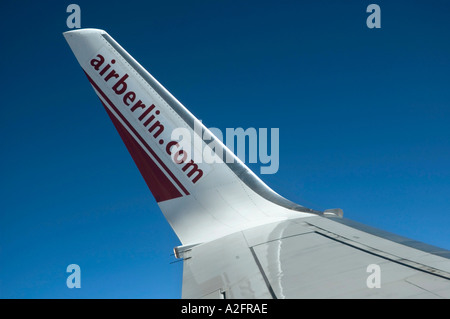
363 117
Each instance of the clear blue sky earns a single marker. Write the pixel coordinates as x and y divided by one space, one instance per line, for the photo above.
363 116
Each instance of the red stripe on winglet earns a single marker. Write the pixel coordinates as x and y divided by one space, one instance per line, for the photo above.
148 148
158 183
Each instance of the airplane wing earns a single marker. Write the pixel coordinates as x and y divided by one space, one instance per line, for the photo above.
315 257
240 239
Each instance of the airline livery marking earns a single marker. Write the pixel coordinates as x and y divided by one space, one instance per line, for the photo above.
150 116
138 139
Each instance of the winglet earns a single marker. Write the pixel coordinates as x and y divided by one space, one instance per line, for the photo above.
202 200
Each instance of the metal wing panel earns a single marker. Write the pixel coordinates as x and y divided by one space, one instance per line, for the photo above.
382 243
224 268
314 257
313 266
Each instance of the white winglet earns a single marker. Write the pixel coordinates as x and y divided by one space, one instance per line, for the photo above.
201 199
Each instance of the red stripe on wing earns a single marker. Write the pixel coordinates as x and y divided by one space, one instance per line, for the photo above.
159 184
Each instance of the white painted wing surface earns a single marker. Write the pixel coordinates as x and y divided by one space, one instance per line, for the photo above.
315 257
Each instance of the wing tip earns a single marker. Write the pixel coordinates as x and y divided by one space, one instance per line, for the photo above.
83 32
